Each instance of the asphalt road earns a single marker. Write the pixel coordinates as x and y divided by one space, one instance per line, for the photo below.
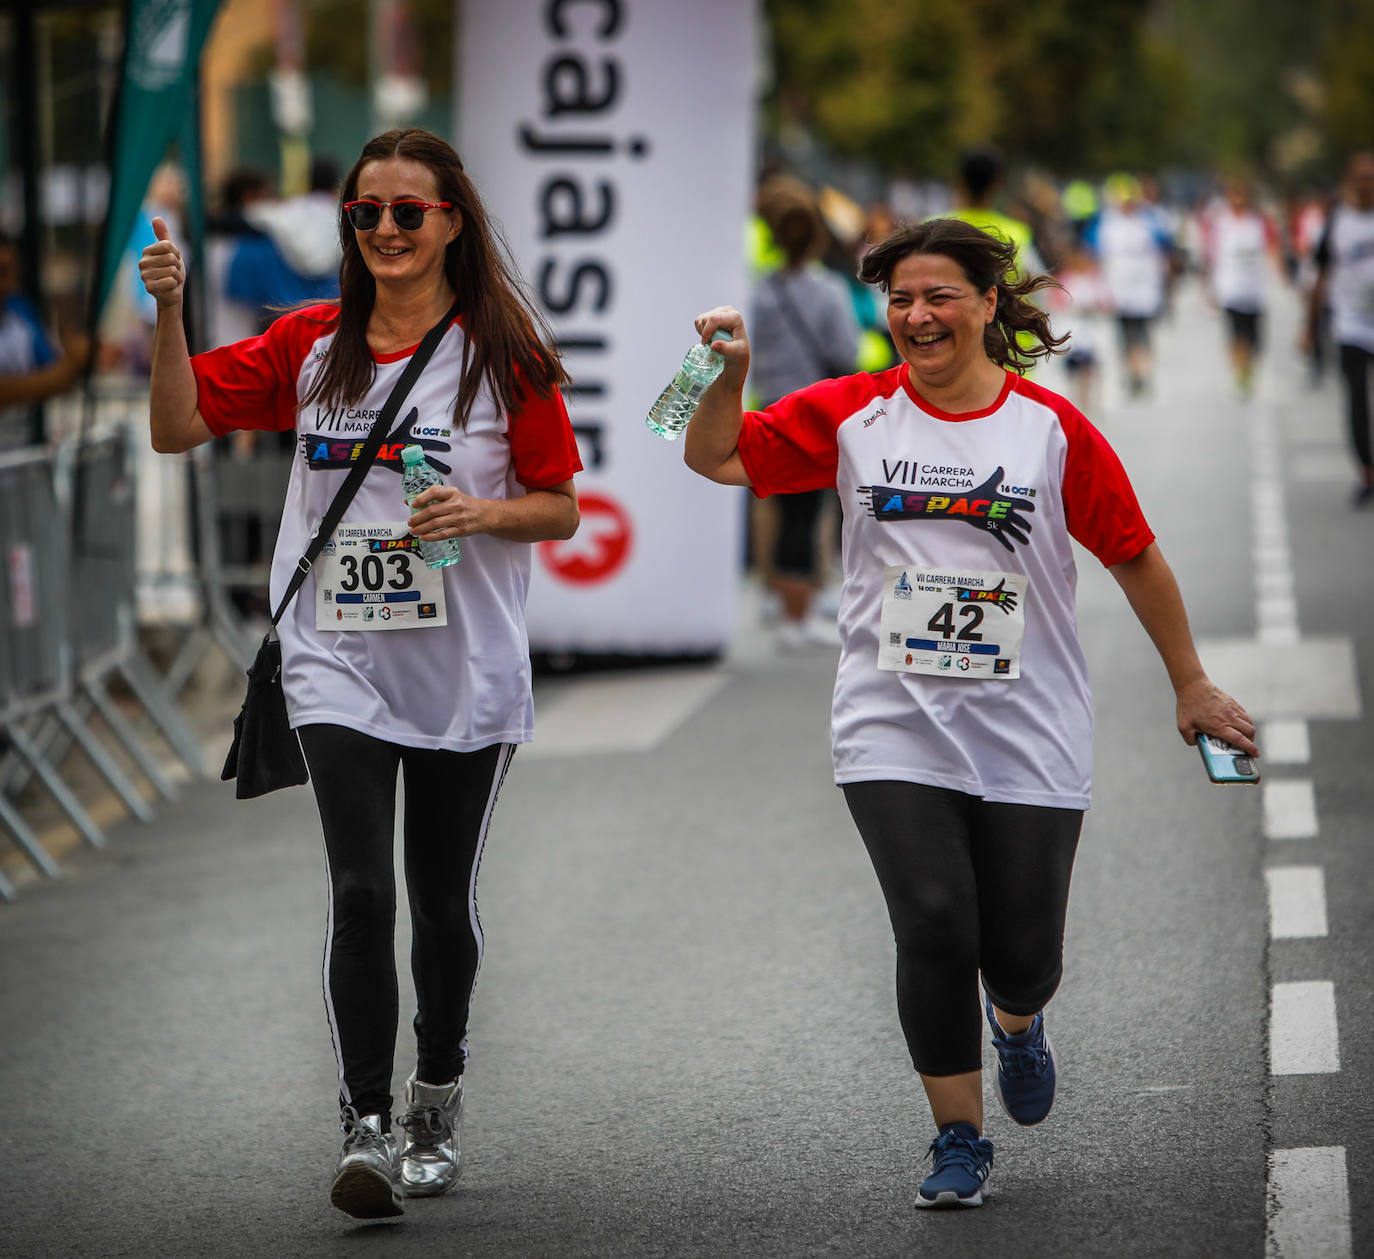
685 1041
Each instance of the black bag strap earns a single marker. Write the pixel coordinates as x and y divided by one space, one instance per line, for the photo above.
361 465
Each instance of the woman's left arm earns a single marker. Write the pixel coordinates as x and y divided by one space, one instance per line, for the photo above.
1202 707
444 511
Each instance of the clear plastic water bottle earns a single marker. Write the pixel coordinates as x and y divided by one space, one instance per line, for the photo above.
416 477
679 401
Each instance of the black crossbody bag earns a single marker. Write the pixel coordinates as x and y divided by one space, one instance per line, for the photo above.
266 753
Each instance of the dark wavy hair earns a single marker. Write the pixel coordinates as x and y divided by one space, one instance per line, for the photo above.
1020 331
508 343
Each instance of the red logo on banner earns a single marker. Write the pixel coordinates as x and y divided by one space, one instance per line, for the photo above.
597 550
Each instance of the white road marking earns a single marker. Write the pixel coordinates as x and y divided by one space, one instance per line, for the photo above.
1297 902
1290 809
1303 1039
1277 612
1309 1198
1323 466
1309 1204
1274 582
626 712
1284 741
1273 680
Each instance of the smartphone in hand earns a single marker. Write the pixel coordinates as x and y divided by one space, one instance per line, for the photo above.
1226 764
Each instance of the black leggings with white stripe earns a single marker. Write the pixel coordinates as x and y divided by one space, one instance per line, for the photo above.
973 889
449 797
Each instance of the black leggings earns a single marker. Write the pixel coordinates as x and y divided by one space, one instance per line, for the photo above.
1355 364
970 886
449 798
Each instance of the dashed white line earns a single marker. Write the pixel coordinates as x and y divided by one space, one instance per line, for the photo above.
1284 741
1303 1038
1309 1204
1308 1211
1290 809
1297 902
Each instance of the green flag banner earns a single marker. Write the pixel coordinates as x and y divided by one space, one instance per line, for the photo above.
155 101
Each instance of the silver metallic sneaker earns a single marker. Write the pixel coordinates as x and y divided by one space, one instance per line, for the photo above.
367 1183
432 1159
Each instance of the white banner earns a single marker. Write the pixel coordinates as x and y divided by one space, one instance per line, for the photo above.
613 140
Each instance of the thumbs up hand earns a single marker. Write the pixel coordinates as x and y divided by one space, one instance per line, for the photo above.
161 268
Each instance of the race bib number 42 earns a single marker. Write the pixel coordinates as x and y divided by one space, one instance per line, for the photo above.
952 624
371 577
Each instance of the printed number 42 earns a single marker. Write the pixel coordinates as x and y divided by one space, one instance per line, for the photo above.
942 622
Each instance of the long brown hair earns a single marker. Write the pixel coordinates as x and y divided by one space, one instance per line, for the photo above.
1020 331
508 343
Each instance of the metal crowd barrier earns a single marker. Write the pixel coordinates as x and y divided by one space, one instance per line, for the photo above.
68 628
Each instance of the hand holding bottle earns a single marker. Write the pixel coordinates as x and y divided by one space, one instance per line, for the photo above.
703 366
734 349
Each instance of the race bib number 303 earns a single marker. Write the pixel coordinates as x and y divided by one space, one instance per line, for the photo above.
371 577
952 624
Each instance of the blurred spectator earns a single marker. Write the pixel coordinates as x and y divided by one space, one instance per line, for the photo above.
1079 201
847 226
802 329
1306 226
980 180
31 368
1078 307
1135 255
1345 270
1240 251
295 256
226 233
1166 222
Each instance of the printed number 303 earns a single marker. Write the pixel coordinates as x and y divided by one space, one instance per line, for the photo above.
372 576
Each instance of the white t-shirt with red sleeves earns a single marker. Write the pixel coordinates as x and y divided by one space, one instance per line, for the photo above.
995 491
460 686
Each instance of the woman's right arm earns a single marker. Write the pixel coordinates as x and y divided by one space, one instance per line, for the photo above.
711 445
176 422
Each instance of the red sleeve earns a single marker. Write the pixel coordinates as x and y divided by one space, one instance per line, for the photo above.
542 445
793 445
252 384
1100 507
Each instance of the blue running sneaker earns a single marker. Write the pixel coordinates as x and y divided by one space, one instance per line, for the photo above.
962 1162
1025 1070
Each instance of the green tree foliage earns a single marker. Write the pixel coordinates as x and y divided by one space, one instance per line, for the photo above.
1076 85
1347 72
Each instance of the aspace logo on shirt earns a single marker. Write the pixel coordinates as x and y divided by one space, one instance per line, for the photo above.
323 451
986 506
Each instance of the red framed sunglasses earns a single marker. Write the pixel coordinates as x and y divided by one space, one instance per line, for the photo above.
409 216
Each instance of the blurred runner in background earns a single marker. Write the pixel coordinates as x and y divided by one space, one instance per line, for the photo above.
804 330
1135 258
1241 257
1345 271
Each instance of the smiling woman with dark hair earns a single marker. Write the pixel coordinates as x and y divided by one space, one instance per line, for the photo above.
962 719
445 700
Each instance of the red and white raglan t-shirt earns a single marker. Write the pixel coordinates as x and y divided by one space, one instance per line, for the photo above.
999 491
459 686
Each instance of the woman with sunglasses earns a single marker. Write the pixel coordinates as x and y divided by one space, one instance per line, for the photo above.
443 699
